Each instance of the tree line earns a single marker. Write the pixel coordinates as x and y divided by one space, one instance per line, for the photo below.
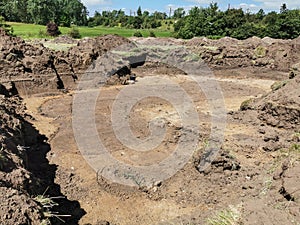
62 12
136 20
209 21
236 23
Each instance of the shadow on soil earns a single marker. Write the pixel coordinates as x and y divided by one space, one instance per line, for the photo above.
44 173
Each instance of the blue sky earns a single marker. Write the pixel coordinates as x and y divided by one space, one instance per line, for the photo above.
164 5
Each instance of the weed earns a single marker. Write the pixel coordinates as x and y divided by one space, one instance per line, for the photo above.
138 34
295 147
192 57
152 34
48 203
279 84
229 216
246 104
42 33
260 52
292 154
267 186
297 134
45 222
74 32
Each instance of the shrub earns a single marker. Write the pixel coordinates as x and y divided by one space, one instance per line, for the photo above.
152 34
74 33
138 34
52 29
42 33
8 29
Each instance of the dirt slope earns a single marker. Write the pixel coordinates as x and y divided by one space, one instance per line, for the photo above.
26 177
34 68
232 53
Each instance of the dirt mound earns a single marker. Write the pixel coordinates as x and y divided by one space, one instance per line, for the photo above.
40 69
89 49
18 58
232 53
276 114
27 65
15 180
281 108
26 177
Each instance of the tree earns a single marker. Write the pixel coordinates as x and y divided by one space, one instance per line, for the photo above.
62 12
8 29
260 14
179 13
283 8
146 14
159 15
139 12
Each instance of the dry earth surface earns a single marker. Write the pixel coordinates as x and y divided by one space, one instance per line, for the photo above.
253 180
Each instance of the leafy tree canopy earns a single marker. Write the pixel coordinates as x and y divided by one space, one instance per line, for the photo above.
62 12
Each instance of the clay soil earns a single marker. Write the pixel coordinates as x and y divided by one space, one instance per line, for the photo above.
253 180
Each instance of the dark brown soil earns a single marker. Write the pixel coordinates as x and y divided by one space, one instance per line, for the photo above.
255 176
25 172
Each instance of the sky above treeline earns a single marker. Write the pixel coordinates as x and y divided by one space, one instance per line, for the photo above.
166 5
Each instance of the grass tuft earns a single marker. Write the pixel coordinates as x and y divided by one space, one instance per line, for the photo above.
48 203
231 216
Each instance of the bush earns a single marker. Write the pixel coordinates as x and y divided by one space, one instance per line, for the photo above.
152 34
74 33
138 34
42 33
52 29
8 29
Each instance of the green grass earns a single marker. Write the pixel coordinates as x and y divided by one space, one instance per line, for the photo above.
279 84
48 203
31 31
231 216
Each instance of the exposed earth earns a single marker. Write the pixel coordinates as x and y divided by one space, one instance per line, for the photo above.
254 178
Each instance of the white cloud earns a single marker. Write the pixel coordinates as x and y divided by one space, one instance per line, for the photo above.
173 7
201 1
251 7
275 4
96 2
267 5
